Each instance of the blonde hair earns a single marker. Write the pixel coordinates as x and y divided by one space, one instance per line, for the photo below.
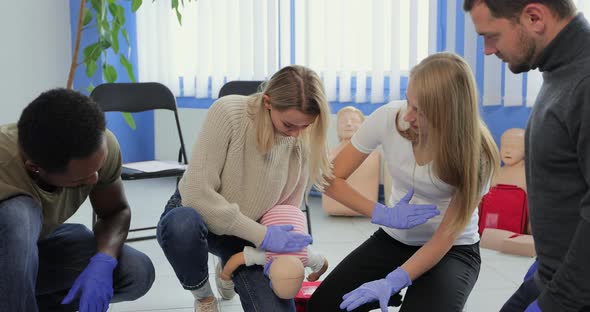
465 153
297 87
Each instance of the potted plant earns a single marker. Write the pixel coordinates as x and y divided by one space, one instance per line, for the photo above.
107 19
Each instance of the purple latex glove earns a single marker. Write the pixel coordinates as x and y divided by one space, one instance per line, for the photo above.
531 272
533 307
403 215
380 290
95 284
279 238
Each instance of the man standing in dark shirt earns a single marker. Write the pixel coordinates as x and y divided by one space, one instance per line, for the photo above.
548 35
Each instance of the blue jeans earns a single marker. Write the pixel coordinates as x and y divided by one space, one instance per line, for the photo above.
186 241
36 274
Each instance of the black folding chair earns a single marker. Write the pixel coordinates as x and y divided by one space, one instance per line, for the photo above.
140 97
245 87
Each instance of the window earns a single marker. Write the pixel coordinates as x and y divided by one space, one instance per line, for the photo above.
348 41
361 48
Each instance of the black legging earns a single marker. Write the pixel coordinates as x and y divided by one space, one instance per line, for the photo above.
445 287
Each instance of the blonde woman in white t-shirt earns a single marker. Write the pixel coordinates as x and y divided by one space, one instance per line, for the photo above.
441 157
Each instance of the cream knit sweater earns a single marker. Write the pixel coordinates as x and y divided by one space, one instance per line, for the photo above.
230 183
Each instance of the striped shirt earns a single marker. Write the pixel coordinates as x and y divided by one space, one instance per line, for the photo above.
286 215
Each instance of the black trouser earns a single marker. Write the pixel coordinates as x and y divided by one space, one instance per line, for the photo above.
444 288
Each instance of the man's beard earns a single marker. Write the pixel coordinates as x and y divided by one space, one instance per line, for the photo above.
525 63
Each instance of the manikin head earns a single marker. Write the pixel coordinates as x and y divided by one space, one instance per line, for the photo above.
349 120
286 274
512 146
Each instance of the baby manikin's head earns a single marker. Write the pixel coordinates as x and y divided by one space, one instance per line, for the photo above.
286 274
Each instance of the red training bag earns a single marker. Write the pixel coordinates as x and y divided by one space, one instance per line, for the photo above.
504 207
304 294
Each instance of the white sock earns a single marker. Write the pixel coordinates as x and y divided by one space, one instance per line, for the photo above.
203 292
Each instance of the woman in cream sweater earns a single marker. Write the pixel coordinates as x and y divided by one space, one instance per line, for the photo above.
253 153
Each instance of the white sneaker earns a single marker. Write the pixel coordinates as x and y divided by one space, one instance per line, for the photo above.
225 288
211 306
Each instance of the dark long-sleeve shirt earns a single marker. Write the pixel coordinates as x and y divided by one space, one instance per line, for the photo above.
558 170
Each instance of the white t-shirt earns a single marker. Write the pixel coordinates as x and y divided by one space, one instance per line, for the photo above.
380 129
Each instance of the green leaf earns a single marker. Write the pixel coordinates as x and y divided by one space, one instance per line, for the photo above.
87 17
90 88
110 73
92 52
115 25
179 16
115 40
118 13
128 67
114 37
112 8
99 8
105 42
104 26
125 35
174 4
91 68
135 4
129 120
121 15
97 5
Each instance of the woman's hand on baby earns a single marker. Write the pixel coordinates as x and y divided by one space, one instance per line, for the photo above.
403 215
279 238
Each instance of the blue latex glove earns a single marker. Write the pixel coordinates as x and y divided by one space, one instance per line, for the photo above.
380 290
403 215
279 238
533 307
95 284
531 272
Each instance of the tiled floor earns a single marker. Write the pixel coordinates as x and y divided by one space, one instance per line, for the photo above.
333 236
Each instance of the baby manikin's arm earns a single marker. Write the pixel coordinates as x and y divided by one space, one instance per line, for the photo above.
317 263
254 256
250 256
314 261
231 265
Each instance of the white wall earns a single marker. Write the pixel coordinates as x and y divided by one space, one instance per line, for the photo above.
35 52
